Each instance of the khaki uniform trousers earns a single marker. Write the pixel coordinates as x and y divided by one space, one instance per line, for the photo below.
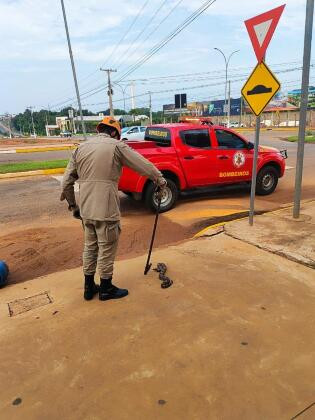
100 246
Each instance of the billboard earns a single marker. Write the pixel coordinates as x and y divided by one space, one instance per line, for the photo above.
294 97
168 109
216 108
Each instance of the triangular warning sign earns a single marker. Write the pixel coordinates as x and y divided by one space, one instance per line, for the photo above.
261 28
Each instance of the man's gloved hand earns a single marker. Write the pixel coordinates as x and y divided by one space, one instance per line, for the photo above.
161 183
76 212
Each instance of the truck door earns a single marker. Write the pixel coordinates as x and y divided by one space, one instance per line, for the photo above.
197 157
234 157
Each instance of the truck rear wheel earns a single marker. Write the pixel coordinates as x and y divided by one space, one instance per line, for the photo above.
267 180
169 197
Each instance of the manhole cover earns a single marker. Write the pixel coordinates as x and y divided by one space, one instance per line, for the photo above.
23 305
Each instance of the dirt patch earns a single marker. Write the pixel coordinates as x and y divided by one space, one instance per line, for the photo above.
36 252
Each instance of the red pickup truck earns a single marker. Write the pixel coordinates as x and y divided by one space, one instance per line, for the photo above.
193 156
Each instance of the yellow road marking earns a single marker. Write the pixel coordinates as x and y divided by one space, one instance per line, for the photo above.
45 149
187 215
53 171
32 173
203 231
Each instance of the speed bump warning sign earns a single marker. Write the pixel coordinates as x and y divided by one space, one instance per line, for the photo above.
260 88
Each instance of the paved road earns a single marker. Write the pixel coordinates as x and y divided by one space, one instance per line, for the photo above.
267 138
39 156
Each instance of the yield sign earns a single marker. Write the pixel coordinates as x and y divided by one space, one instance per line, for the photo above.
260 88
261 28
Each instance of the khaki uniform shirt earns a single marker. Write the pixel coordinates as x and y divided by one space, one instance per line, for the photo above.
96 165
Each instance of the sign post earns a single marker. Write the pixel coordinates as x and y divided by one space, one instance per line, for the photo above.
303 107
262 84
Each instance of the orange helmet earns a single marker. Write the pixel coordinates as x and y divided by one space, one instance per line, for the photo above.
111 122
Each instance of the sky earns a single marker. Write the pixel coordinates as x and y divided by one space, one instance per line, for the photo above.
35 68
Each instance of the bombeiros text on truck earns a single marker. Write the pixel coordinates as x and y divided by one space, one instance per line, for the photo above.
195 154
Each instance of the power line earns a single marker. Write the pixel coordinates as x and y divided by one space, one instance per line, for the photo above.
176 76
157 78
121 39
172 35
163 20
206 72
128 30
241 77
187 89
123 58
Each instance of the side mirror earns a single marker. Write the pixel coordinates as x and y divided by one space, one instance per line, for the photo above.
250 146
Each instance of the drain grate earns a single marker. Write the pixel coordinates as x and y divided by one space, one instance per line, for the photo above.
20 306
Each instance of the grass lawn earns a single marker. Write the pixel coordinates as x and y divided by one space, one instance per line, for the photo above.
308 139
32 166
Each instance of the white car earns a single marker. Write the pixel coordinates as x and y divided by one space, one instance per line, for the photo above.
133 133
236 125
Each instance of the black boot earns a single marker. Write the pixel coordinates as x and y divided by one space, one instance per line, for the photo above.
109 291
90 288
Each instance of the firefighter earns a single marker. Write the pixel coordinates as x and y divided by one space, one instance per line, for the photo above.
96 164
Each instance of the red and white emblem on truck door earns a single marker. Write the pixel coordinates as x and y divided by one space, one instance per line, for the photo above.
239 159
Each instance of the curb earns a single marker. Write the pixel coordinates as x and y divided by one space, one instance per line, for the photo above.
37 149
208 229
33 173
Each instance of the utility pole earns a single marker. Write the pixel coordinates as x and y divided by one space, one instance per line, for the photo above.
150 106
132 90
110 90
303 107
31 109
10 130
229 105
46 127
73 68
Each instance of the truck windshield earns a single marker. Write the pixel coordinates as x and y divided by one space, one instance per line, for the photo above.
161 136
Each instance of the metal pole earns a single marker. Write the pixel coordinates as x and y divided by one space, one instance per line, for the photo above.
123 92
180 105
10 131
229 105
303 108
32 119
254 174
150 106
226 74
73 69
132 91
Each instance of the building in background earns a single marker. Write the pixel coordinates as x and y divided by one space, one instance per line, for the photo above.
73 125
294 97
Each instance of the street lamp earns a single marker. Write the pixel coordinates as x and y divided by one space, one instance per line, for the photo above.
226 72
123 92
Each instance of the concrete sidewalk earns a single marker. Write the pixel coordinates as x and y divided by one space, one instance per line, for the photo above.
279 233
233 338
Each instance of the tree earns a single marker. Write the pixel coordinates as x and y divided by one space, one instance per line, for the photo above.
140 111
117 111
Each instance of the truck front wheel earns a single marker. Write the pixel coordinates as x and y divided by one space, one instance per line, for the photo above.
267 180
169 197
